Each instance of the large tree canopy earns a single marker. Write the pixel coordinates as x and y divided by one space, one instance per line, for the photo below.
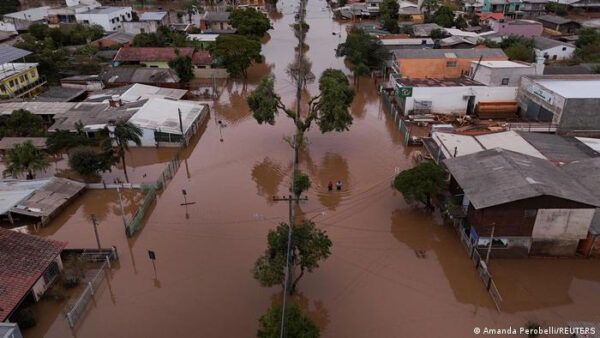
9 6
309 247
182 65
249 22
364 51
298 325
389 15
236 53
421 182
88 162
443 17
329 109
25 158
22 123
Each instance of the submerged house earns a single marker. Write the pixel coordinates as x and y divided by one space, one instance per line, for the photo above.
532 206
159 57
30 265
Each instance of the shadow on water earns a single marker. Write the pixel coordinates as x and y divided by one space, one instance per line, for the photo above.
268 176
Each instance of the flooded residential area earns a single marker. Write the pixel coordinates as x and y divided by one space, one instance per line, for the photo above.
174 239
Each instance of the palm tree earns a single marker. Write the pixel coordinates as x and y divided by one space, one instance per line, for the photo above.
430 5
25 158
125 132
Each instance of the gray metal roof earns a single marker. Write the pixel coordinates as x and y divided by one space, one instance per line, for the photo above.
120 37
545 43
59 94
587 172
10 53
559 149
139 75
554 19
152 16
496 176
471 53
94 113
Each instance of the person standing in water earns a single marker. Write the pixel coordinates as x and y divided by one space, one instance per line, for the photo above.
338 185
330 186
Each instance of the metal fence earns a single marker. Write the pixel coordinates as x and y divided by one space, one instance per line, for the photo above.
75 312
480 265
136 221
169 172
401 124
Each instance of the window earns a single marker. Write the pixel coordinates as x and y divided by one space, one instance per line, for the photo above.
11 83
2 88
554 57
423 42
51 273
450 64
498 243
505 81
564 49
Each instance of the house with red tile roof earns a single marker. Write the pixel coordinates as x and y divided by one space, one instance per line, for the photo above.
159 57
30 265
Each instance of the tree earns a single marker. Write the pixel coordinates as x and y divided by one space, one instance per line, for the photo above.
389 15
329 109
443 16
149 40
298 325
309 246
301 182
364 51
123 133
190 7
520 52
430 6
22 123
460 22
421 182
25 158
63 140
182 65
88 162
9 6
588 45
52 59
437 34
236 53
249 22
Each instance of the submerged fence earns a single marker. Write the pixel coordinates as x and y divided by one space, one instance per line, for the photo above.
77 310
398 120
136 221
480 265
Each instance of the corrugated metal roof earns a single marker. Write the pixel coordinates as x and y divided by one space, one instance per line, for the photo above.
471 53
152 16
10 53
498 176
162 115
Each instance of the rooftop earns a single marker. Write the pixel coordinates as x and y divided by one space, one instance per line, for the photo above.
545 43
574 88
139 75
216 16
105 10
94 114
39 108
149 54
10 142
554 19
10 53
472 53
152 16
425 29
48 198
502 64
163 115
14 191
59 94
9 69
204 37
143 92
24 258
119 37
430 82
559 149
31 14
519 177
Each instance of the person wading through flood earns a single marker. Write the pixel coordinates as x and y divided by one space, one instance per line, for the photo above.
338 185
330 186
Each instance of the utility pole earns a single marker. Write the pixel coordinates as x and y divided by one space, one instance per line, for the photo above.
183 141
487 257
94 222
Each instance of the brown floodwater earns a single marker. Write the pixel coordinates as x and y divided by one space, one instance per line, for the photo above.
373 285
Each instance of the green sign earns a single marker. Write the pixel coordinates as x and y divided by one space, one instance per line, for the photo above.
404 92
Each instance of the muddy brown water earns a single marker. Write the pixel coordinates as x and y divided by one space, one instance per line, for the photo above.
373 285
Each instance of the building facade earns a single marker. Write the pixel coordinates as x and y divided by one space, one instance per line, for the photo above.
110 18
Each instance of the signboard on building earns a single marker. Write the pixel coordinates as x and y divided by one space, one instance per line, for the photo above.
541 93
404 91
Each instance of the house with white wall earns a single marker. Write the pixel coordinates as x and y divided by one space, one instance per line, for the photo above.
553 49
110 18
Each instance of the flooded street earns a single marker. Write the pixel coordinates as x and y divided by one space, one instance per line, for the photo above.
373 285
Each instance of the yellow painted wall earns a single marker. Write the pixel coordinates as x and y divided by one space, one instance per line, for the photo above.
18 81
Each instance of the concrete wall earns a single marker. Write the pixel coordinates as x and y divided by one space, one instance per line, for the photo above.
40 286
140 27
581 115
529 92
436 68
553 247
105 20
565 224
493 76
517 247
204 73
453 100
556 53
